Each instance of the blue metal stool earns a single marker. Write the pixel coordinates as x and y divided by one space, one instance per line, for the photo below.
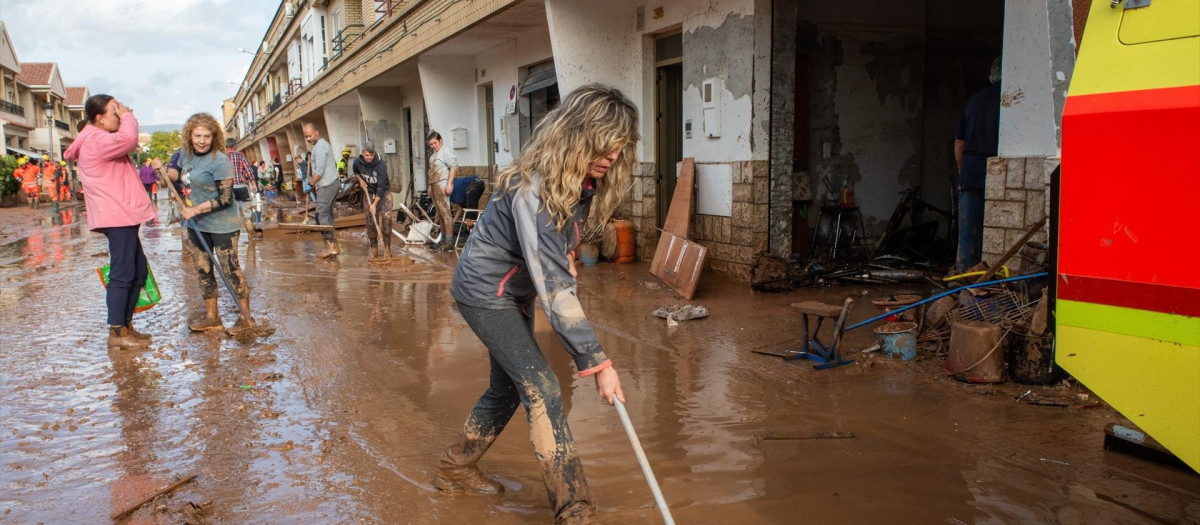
825 356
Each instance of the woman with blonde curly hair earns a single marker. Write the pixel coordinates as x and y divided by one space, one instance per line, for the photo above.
208 170
521 251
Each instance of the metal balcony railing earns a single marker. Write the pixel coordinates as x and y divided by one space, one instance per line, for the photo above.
9 107
343 37
62 125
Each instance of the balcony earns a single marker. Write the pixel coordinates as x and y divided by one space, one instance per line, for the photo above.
9 107
341 41
62 125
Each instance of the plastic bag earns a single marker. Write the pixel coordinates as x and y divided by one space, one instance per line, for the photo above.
149 295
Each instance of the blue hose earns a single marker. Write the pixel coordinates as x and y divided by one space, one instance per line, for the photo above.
937 296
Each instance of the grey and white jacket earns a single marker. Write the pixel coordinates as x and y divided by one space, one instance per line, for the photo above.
515 255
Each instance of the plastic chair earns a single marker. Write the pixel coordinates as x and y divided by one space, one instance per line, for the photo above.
468 192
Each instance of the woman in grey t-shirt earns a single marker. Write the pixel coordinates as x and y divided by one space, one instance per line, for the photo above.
208 170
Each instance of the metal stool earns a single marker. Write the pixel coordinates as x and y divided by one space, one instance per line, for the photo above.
825 356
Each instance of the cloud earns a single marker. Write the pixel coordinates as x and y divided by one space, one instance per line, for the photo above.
165 59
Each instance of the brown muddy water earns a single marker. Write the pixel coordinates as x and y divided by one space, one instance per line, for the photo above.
340 416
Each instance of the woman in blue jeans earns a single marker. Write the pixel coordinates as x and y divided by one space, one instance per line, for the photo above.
117 205
521 252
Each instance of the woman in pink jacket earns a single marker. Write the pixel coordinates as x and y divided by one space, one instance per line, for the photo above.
117 205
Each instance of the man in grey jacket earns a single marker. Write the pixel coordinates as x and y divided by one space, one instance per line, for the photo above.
323 179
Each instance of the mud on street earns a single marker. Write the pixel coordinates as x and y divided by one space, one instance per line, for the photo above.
340 416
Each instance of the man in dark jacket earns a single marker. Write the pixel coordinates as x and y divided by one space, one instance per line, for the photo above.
976 139
371 173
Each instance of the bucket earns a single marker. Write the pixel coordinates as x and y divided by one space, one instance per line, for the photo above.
589 254
976 354
898 340
624 241
1031 360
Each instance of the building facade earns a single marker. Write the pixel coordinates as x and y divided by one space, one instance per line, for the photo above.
778 102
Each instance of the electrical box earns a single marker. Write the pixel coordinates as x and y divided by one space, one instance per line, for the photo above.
710 104
459 138
389 146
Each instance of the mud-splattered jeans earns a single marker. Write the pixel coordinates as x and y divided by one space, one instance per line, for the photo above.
383 212
521 376
224 245
441 202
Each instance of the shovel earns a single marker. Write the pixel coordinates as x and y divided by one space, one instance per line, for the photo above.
378 226
641 457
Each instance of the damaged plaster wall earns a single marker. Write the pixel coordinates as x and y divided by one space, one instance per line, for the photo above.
866 102
1028 122
726 53
383 119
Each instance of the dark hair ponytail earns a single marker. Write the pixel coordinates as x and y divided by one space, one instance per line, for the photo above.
95 106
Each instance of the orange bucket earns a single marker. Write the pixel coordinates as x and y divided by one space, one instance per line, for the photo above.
624 241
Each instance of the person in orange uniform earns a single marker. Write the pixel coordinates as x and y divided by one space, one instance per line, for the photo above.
50 177
28 175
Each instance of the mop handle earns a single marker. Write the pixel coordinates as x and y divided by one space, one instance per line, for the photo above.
641 457
212 256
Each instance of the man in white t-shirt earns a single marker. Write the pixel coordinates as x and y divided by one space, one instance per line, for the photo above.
442 169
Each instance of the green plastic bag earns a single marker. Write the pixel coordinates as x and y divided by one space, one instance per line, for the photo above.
149 295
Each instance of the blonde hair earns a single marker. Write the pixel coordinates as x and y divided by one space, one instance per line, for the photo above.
589 123
205 121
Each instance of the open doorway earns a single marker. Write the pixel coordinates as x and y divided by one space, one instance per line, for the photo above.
668 118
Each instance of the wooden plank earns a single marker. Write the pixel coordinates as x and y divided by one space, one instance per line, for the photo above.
297 226
678 263
679 215
350 221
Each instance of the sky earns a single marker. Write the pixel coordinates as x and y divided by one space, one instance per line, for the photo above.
166 59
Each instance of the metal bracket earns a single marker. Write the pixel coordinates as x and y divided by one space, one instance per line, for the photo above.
1131 4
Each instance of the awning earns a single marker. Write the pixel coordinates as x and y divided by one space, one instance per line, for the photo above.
26 153
539 80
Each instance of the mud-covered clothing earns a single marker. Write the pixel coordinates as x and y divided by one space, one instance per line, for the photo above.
127 272
515 254
520 375
441 164
383 211
375 174
211 179
225 247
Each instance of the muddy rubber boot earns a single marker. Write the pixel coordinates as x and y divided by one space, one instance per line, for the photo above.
135 333
120 338
468 479
211 319
330 250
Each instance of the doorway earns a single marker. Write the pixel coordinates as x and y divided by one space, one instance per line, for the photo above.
668 118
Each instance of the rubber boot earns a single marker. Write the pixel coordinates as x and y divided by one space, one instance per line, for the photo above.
469 479
211 320
246 321
135 333
120 338
331 249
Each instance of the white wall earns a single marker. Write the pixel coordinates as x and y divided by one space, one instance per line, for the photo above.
616 53
598 42
450 97
1027 120
343 122
502 64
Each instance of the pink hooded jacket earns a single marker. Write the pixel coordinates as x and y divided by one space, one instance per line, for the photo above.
112 191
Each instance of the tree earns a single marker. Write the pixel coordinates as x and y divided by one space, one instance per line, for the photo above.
163 144
9 185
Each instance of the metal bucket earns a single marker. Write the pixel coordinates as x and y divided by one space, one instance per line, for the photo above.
898 340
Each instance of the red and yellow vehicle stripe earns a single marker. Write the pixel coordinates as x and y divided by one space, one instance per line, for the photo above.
1128 305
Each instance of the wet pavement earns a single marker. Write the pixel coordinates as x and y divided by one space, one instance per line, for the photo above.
340 416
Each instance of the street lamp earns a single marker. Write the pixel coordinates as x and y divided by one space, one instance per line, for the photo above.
49 110
241 50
